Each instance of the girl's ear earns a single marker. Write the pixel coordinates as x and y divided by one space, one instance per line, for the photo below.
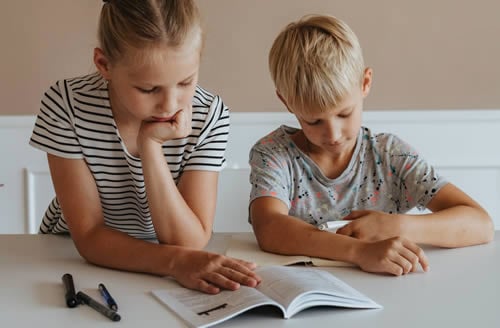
367 81
102 63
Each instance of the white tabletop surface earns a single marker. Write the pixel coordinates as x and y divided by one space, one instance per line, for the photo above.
462 289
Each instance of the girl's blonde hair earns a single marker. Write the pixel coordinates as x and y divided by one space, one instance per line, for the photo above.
315 62
145 24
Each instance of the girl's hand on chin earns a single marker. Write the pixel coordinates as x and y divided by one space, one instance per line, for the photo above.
159 130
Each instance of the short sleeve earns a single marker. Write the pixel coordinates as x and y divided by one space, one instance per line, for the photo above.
54 132
212 127
414 181
268 174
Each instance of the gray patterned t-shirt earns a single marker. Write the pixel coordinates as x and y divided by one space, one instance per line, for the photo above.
384 174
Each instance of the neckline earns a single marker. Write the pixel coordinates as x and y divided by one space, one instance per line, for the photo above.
316 170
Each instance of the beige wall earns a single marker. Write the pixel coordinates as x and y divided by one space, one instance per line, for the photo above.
428 54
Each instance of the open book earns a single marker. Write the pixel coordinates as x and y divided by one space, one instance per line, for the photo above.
245 247
291 289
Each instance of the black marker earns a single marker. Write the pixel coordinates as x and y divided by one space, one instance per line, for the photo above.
70 296
107 297
98 306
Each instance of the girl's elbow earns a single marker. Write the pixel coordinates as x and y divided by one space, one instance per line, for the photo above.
195 241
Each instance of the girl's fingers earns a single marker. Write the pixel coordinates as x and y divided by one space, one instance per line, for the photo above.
205 287
220 280
244 272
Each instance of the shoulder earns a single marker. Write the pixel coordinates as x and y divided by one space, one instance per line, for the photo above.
276 141
205 99
86 83
209 108
385 142
62 91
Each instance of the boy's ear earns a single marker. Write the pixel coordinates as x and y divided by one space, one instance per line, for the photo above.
367 81
102 63
283 101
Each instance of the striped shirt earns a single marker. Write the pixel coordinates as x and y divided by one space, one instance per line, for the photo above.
76 122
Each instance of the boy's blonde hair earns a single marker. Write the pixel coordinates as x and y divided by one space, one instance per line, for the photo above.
145 24
315 62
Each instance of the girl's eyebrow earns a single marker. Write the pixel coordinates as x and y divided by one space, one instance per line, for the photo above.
190 77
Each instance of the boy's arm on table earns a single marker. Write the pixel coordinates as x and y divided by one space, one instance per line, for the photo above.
101 245
277 232
457 221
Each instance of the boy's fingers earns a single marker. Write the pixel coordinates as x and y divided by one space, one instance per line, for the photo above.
394 269
422 258
345 230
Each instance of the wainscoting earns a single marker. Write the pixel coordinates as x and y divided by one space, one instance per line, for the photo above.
460 143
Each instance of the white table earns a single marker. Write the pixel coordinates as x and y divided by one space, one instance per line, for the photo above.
461 290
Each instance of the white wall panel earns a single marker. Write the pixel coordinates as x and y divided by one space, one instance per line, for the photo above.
461 144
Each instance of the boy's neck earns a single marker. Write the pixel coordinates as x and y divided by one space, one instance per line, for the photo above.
331 165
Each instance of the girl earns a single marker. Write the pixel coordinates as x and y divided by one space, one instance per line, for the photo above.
134 150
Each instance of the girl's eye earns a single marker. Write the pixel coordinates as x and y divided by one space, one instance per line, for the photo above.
185 84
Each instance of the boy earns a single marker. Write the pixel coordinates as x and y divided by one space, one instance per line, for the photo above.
333 168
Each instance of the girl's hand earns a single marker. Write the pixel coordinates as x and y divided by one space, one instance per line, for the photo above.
161 130
372 225
395 256
209 272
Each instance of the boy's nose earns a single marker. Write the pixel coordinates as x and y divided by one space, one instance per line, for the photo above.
333 133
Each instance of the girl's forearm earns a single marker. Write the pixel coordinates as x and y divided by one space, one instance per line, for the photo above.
104 246
174 221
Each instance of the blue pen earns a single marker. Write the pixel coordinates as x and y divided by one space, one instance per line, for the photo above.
107 297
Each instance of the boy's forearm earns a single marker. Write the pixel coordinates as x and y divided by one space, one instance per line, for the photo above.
287 236
453 227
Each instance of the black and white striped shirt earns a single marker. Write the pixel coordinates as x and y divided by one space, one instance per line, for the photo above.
75 121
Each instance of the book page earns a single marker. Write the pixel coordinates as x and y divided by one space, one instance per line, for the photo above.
245 247
203 310
298 288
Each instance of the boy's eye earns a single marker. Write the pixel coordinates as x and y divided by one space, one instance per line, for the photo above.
154 89
313 123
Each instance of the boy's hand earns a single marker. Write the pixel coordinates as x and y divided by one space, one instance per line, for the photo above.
209 272
395 256
161 130
371 225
